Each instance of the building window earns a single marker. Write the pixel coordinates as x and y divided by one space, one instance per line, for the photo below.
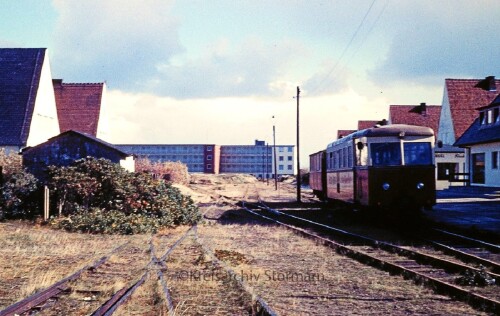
482 118
290 167
209 167
281 149
281 158
209 148
290 149
209 157
494 160
290 158
496 117
280 167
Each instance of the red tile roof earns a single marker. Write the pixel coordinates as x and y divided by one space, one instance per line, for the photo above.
344 132
78 106
367 124
413 115
464 97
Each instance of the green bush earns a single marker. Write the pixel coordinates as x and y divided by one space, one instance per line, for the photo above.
99 196
19 196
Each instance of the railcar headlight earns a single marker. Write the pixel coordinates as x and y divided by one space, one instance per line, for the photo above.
386 186
420 185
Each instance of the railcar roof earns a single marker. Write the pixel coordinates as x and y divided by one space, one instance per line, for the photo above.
387 130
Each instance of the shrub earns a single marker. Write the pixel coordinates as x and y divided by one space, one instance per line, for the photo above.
19 196
101 197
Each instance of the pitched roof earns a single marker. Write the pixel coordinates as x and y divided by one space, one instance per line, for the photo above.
78 105
20 72
83 135
344 132
420 115
465 96
370 124
479 134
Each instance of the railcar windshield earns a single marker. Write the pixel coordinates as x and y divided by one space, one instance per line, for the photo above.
385 154
418 153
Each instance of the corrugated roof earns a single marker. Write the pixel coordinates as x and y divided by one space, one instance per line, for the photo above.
465 96
78 106
413 115
20 72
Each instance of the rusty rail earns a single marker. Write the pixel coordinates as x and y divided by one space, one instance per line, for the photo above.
260 306
475 300
38 298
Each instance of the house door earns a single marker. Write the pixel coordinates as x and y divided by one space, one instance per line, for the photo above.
478 168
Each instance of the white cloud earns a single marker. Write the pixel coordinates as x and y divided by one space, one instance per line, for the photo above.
145 118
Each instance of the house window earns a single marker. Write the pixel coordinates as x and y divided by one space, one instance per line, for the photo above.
290 167
496 117
290 149
490 117
482 118
281 158
446 170
280 167
290 158
494 160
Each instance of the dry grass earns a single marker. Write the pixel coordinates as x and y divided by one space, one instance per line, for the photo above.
294 274
32 258
200 287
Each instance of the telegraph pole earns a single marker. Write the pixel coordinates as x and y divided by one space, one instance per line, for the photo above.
299 180
275 162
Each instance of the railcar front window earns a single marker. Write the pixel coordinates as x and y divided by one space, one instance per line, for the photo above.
418 153
385 154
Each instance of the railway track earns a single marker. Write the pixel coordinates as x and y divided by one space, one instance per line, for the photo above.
93 289
431 270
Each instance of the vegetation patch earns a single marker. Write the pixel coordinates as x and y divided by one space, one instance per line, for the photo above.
98 196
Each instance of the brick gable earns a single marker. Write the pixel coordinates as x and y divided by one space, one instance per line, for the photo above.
78 106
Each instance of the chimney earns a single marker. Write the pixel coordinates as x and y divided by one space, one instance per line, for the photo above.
57 82
423 109
490 83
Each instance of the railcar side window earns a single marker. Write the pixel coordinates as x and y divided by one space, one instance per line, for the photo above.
385 154
418 153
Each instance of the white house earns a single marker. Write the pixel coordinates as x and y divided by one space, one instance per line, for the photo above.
482 145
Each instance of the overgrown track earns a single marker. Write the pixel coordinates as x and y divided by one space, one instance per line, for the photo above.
36 301
433 271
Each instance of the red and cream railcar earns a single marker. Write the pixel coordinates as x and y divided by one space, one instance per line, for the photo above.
383 167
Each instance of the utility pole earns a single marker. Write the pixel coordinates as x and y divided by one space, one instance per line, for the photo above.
275 162
299 180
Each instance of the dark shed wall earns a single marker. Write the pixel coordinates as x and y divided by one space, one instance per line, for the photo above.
63 151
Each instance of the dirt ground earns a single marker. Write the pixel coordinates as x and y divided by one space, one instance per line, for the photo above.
293 275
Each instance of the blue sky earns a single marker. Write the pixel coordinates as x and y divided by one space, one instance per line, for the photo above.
217 71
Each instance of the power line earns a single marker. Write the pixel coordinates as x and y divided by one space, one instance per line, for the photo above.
345 49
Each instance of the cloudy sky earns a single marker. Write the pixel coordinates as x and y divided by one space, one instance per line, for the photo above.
217 71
